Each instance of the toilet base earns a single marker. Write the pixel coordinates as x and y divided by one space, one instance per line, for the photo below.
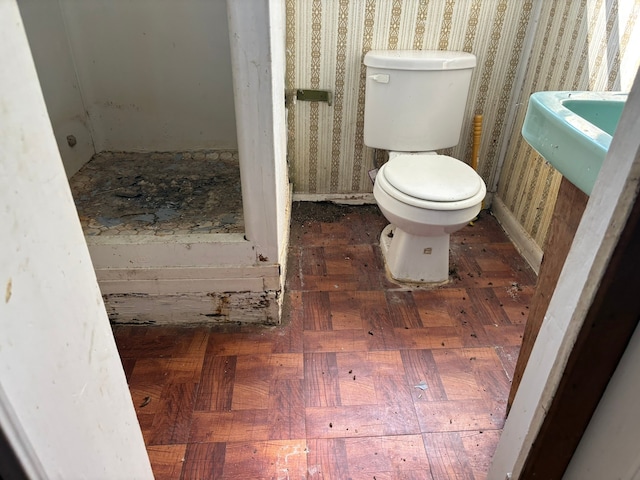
416 259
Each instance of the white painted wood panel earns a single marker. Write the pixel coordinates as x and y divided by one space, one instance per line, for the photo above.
148 251
66 408
204 273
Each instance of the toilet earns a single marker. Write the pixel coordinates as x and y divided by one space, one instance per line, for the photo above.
414 104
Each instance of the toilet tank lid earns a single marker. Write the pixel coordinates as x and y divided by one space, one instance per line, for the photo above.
419 59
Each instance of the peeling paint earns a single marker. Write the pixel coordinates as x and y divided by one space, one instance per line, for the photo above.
93 336
7 293
195 308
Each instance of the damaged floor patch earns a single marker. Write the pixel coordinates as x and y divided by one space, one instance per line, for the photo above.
159 193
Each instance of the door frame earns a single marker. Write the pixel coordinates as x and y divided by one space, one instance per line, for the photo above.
577 350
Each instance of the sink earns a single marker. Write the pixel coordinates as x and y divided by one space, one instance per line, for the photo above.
573 130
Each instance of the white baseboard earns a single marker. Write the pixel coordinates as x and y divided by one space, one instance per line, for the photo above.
523 242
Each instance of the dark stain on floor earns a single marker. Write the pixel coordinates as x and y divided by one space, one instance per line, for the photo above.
328 212
159 193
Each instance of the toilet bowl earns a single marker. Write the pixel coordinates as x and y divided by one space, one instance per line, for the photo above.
426 197
415 103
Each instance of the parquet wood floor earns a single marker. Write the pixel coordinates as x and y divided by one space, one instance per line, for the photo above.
366 379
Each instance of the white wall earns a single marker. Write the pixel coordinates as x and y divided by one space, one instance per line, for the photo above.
614 430
50 48
64 402
155 75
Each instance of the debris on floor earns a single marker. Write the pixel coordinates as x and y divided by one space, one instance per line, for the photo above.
168 193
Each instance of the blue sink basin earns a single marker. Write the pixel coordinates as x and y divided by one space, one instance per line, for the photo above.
573 130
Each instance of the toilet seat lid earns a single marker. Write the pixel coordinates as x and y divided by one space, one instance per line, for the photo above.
436 178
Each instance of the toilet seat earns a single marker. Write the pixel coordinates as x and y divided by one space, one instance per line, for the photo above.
436 182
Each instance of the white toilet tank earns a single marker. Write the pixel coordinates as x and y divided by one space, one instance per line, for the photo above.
415 99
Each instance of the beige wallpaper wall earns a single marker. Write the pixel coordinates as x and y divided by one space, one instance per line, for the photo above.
326 41
586 45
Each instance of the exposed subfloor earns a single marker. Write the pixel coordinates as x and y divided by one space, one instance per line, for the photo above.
365 379
179 193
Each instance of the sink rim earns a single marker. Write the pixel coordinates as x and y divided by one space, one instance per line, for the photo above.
561 135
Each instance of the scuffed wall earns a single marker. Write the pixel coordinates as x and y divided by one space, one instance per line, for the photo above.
49 45
154 76
133 76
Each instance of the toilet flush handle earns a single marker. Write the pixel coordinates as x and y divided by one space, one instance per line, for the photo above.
380 78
